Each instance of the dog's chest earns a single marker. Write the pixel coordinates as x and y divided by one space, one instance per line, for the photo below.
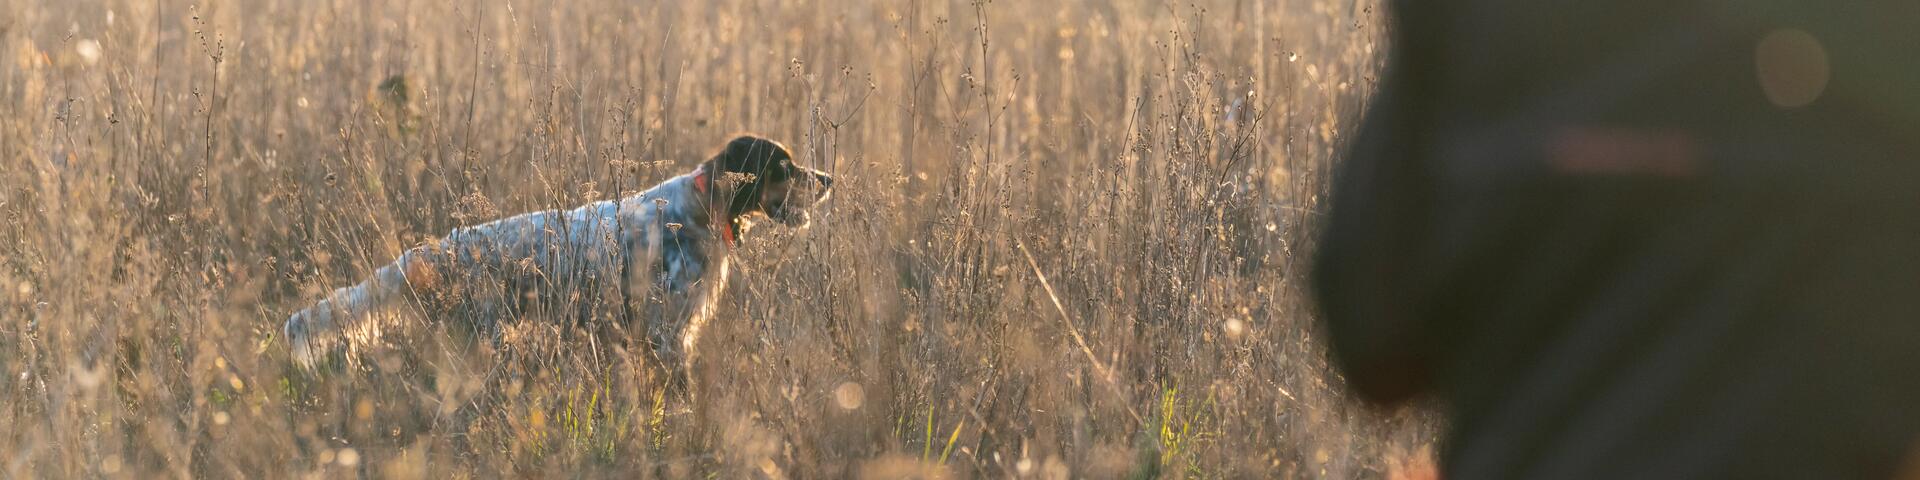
675 263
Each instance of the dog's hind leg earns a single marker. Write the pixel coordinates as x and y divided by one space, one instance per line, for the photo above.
356 315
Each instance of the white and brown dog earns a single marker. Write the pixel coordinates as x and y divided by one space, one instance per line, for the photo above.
653 263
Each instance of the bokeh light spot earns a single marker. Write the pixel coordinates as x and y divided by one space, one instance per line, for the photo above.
1792 67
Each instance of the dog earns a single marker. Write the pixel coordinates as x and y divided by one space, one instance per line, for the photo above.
651 265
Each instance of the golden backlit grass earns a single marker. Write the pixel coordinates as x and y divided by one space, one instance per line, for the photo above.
178 177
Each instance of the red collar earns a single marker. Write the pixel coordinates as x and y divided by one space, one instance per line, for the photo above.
725 225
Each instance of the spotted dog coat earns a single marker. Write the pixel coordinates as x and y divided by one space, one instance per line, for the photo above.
653 263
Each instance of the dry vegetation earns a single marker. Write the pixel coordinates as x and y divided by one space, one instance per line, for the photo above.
177 176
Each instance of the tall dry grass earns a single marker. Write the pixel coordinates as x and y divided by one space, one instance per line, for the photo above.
176 177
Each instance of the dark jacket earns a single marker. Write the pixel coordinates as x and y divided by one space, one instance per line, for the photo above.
1640 239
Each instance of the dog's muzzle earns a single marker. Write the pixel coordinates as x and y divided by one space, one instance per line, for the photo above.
794 211
826 185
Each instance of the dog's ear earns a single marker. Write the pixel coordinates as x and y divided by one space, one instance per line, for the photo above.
745 166
759 159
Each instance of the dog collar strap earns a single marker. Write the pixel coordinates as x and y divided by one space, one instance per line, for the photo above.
726 227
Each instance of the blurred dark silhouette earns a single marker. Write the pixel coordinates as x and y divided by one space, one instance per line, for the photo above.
1639 239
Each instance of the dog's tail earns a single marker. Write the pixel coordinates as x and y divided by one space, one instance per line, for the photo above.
351 318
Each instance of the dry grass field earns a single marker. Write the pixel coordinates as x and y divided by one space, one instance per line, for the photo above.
178 176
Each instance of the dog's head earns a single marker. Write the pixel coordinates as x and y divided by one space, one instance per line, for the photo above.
763 179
